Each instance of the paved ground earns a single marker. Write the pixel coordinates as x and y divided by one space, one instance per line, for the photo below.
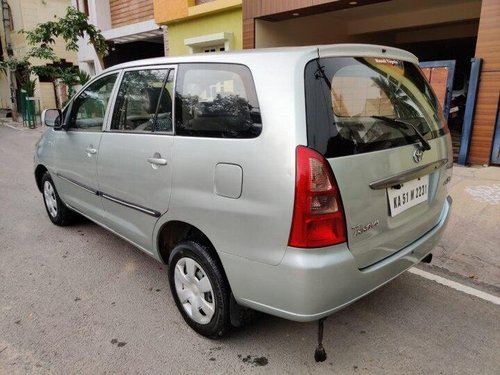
470 246
80 300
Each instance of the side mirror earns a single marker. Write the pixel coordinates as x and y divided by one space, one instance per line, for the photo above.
52 118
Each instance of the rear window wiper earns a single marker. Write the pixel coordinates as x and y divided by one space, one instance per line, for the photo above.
425 145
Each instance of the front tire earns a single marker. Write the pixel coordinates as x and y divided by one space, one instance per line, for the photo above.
199 288
58 212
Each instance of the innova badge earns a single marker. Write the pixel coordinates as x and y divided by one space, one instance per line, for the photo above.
418 154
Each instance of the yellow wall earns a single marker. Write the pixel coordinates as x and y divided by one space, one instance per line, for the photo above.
46 94
229 22
168 11
27 15
4 92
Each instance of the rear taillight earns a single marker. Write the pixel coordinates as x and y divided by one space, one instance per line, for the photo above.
318 217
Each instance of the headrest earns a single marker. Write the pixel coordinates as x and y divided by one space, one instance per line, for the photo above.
151 95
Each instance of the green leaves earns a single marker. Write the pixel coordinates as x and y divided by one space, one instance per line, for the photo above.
21 67
83 77
29 86
73 26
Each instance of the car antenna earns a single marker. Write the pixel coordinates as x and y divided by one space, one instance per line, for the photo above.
319 353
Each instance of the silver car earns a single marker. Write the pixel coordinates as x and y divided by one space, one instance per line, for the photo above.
290 181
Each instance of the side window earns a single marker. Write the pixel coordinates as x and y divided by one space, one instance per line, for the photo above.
89 108
216 100
144 100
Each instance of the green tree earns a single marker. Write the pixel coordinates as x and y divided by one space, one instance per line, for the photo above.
73 26
21 67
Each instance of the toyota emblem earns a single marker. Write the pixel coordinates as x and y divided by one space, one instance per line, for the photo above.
418 154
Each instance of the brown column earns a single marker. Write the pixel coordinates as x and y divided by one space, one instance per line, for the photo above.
248 33
250 9
487 48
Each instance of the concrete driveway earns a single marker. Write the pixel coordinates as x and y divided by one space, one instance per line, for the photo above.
81 300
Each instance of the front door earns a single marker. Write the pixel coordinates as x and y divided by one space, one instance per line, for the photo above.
78 147
135 165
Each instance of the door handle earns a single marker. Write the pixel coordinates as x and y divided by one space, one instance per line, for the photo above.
91 150
157 160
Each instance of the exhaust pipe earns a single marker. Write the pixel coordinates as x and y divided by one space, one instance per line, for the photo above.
427 259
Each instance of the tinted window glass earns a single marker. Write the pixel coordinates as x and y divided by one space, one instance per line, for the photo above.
216 100
142 101
89 108
348 98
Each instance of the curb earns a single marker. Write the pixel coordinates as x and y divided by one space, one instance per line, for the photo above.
12 127
17 125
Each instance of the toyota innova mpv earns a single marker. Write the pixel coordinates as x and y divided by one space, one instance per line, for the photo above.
291 181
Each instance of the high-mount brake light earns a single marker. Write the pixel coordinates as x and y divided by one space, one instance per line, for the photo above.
318 217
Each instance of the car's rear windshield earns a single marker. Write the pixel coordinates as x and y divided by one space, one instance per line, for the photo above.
363 104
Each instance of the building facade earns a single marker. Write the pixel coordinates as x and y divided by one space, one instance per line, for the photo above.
26 15
435 30
128 26
201 25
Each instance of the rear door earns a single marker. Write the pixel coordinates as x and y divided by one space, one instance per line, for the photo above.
363 115
135 168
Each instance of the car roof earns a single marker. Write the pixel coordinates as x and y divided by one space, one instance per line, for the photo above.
288 54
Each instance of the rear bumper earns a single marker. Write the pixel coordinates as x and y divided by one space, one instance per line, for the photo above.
311 284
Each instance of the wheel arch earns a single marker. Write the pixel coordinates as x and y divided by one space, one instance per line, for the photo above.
175 231
39 172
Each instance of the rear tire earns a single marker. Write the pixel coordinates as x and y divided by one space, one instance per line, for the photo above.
58 212
199 288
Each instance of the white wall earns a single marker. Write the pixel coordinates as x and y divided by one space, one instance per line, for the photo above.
386 22
321 28
100 16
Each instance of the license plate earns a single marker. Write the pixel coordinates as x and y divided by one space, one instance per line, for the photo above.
408 195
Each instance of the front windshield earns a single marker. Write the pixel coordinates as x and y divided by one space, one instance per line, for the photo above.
350 102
